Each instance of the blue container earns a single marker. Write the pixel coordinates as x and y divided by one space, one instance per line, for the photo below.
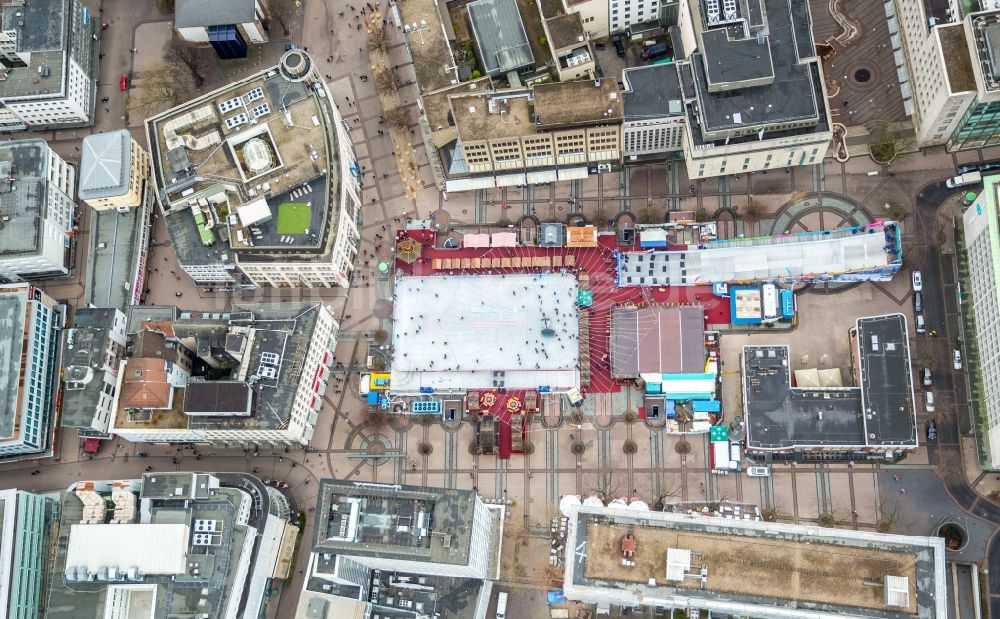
227 41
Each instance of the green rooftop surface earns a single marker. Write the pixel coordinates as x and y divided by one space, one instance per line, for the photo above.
293 218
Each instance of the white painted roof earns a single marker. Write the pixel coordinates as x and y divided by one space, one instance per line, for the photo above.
153 548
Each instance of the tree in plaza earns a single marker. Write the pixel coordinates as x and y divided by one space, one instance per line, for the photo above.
281 10
605 486
377 39
397 119
163 86
182 54
385 82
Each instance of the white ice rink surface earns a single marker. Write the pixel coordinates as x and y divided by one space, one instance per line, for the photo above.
455 332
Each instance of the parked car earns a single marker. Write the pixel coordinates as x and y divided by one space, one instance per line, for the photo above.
928 377
123 83
931 431
918 302
930 401
502 605
957 359
921 324
918 281
758 471
619 47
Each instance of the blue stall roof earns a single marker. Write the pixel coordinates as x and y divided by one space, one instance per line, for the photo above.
787 304
706 406
744 305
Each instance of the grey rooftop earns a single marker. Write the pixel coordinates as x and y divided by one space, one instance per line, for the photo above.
22 200
195 13
652 91
104 165
878 412
380 507
757 74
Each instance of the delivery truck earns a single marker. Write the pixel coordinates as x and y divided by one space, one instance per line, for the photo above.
969 178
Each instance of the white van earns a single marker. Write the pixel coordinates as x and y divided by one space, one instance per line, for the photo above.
502 605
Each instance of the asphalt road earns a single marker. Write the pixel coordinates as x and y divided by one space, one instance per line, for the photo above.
950 467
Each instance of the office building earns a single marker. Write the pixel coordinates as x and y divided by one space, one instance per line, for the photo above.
254 375
654 126
632 17
49 64
520 136
36 210
114 181
258 181
25 520
570 47
92 350
169 544
113 171
949 70
30 323
227 25
748 568
821 418
593 14
981 229
401 551
754 87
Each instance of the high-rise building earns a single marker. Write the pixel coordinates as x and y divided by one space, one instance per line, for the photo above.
49 63
25 521
981 228
753 86
169 544
29 344
394 545
258 181
36 209
952 75
92 350
264 369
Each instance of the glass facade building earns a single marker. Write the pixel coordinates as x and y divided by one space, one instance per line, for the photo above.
980 126
25 520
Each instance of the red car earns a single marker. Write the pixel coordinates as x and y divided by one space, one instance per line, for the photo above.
123 83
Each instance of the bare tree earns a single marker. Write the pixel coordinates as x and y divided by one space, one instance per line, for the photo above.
397 118
182 54
163 86
377 39
378 419
282 10
384 80
666 489
889 512
752 213
605 486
